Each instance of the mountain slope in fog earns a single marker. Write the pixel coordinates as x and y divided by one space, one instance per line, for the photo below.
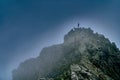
84 55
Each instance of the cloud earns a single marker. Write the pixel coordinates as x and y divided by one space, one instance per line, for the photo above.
28 25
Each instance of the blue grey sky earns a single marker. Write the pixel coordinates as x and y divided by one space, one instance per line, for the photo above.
26 26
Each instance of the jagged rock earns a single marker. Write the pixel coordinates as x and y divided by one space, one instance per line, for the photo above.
84 55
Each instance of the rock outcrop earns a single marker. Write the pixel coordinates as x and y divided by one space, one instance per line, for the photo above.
84 55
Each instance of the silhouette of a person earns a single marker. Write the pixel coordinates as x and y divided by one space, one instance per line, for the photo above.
78 25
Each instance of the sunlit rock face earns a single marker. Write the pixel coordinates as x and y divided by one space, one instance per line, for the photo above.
84 55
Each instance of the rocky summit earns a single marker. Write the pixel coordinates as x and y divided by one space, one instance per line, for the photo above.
84 55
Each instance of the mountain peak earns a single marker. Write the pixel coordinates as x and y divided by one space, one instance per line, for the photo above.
84 55
78 33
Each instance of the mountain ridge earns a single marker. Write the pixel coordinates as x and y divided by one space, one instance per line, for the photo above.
81 47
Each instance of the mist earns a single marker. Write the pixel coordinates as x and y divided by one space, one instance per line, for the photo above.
27 26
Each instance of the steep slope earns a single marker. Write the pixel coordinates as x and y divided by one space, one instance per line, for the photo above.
84 55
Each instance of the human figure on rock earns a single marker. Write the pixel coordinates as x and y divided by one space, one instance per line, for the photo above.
78 25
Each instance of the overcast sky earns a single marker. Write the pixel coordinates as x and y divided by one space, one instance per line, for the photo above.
26 26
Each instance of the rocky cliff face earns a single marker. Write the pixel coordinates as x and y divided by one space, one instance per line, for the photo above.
84 55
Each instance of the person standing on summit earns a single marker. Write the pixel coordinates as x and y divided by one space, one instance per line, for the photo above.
78 25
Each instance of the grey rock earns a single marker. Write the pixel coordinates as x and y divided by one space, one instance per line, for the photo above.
84 55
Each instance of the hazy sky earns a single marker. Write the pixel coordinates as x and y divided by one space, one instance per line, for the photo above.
26 26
